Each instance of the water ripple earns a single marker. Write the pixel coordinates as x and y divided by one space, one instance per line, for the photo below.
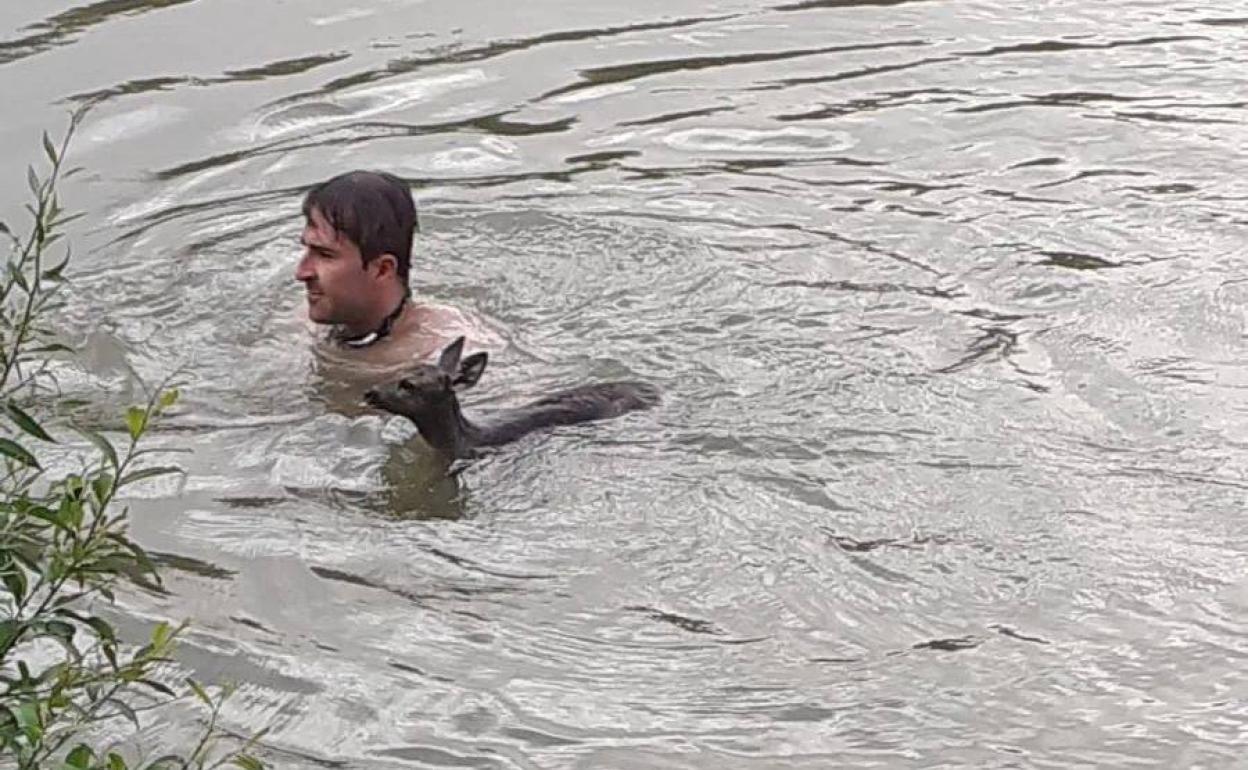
945 304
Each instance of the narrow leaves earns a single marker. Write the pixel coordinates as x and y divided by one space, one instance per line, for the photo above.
101 444
49 148
200 692
148 473
16 451
25 422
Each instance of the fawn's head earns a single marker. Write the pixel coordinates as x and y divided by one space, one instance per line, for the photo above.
429 387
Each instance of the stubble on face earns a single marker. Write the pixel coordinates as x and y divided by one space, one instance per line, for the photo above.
325 256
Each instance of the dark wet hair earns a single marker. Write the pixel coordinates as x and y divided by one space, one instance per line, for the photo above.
373 209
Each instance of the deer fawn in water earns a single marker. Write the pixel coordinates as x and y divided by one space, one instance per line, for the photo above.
428 396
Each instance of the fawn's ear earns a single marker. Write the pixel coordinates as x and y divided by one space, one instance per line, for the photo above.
448 362
470 371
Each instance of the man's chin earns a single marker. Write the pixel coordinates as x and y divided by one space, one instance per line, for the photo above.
318 314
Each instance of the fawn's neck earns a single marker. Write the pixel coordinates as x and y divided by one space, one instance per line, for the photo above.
447 430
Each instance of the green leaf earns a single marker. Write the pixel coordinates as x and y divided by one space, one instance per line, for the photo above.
9 631
162 634
102 486
28 716
115 762
124 709
18 278
169 398
55 271
26 422
59 629
14 580
164 450
32 180
46 514
71 218
101 444
17 452
102 629
247 762
159 687
200 692
80 758
136 421
54 347
145 563
148 473
49 148
69 514
66 598
73 486
26 561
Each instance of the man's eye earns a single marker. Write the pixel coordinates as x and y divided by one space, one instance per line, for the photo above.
319 251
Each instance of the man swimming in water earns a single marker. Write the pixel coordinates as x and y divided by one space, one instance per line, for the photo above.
357 245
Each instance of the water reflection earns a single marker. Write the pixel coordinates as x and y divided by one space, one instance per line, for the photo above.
418 484
63 28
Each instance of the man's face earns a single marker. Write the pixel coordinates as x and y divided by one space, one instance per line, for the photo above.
339 286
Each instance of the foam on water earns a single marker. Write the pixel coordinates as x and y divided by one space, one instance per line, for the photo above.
790 140
361 103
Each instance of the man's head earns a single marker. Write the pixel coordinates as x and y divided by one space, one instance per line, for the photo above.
357 240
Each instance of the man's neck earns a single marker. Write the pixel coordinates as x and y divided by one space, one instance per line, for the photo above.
388 307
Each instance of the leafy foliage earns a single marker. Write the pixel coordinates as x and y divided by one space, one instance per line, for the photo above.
64 548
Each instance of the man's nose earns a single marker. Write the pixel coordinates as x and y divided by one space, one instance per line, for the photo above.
303 269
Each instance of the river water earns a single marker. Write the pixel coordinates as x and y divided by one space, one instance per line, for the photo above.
946 300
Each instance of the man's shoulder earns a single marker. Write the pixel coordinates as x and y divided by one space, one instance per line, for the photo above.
437 325
419 337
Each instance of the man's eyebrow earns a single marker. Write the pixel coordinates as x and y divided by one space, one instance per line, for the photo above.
316 246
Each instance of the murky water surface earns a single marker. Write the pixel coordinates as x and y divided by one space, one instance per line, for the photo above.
946 299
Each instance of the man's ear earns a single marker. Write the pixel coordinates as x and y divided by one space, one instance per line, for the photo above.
470 371
386 265
448 362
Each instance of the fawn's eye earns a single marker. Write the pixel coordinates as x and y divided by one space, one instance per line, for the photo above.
406 386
